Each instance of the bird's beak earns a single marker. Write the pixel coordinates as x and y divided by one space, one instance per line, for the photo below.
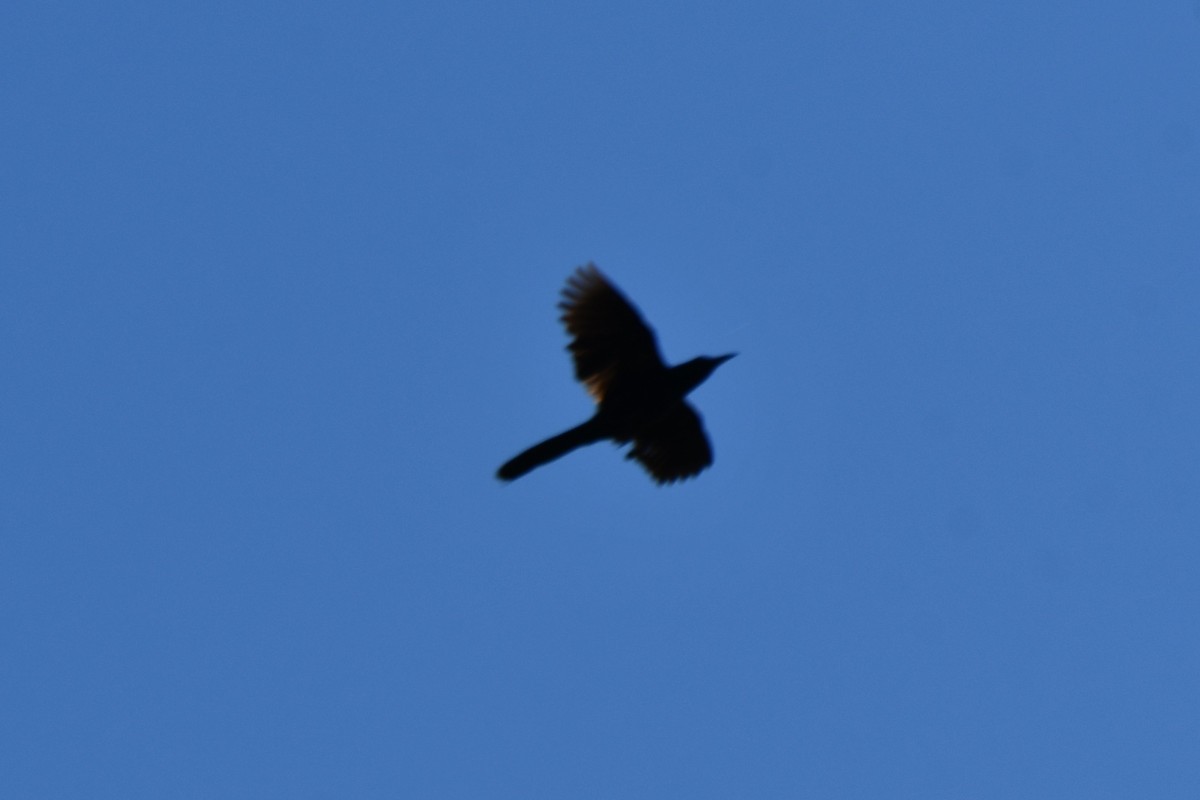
724 358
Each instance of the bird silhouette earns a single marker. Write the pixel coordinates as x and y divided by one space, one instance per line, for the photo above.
639 399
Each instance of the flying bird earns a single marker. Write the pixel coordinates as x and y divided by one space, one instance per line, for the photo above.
639 399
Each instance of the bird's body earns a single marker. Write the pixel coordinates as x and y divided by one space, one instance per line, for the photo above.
639 399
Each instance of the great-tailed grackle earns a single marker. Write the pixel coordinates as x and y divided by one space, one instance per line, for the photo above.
639 399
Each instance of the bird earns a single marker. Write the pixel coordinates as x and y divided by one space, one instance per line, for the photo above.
639 399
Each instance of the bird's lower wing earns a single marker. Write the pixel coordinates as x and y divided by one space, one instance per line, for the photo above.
675 447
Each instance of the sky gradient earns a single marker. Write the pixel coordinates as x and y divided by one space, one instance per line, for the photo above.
277 296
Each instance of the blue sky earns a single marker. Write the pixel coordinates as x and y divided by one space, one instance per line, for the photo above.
277 298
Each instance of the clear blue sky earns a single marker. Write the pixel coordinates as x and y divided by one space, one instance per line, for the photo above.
277 287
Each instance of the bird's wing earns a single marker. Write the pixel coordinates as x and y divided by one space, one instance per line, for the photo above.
675 447
609 339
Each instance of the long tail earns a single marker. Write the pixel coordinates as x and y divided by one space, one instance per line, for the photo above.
545 452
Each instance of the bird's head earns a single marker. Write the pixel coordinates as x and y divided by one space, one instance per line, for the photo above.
695 372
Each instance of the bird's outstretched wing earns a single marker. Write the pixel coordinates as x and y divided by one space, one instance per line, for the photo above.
675 447
610 340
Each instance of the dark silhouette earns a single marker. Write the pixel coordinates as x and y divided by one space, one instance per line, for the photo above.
639 399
